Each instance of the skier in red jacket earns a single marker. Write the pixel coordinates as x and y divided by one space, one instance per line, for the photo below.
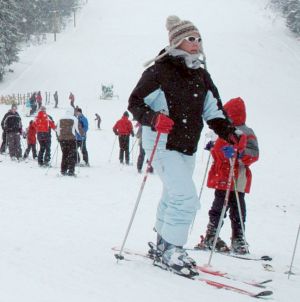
31 140
123 128
221 152
44 124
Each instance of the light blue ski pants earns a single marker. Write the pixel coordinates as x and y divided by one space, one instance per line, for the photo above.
179 201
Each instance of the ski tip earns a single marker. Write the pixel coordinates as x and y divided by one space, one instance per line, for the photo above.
264 294
266 258
119 257
266 281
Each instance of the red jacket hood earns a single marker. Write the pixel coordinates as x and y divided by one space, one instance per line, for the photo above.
42 115
236 111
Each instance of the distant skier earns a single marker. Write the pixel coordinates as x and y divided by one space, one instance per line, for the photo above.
142 153
123 128
55 96
72 99
12 125
66 130
83 126
27 107
30 134
39 99
98 119
4 136
33 104
218 178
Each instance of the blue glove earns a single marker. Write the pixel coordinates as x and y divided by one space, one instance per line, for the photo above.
209 145
228 151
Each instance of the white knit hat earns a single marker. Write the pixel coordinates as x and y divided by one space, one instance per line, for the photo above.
178 30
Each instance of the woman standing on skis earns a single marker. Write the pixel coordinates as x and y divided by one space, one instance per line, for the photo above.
173 97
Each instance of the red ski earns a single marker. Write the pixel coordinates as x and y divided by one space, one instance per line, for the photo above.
217 284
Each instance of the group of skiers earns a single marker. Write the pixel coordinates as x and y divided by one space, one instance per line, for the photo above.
170 101
71 132
34 102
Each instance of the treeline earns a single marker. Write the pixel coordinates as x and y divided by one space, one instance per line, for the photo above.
21 20
290 9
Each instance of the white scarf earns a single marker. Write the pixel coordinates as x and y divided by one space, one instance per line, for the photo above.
191 60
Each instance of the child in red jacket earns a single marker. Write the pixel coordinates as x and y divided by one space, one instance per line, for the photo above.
218 175
31 140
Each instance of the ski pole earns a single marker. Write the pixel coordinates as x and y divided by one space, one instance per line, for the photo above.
204 176
133 146
289 272
6 144
46 173
112 149
130 152
201 189
231 174
240 212
119 256
56 156
77 156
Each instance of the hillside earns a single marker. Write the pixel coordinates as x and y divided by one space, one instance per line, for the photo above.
57 233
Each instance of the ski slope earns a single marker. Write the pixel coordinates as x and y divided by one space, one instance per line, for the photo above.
56 233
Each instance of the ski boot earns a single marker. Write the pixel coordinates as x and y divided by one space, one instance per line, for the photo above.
175 258
154 253
206 243
239 245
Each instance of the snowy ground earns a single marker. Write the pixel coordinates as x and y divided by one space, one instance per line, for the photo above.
57 233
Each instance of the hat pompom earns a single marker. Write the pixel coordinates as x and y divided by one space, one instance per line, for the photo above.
171 21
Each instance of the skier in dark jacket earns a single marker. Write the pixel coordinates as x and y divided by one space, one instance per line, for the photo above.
55 96
123 128
12 125
173 97
83 126
98 119
4 142
4 137
33 104
72 99
142 152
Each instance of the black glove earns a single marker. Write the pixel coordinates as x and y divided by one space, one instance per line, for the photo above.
224 129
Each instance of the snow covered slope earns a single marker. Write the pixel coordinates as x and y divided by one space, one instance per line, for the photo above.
56 233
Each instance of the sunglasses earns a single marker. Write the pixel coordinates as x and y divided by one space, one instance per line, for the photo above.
192 39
